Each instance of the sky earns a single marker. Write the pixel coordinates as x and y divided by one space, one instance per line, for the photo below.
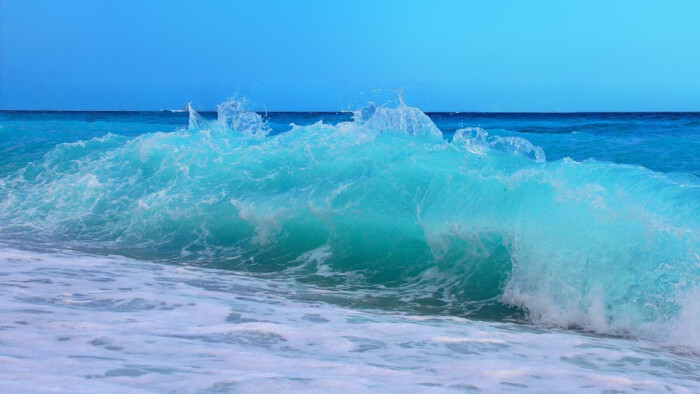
501 56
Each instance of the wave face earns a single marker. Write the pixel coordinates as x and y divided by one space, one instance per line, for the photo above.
475 223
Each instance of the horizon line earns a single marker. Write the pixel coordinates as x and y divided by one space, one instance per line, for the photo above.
173 111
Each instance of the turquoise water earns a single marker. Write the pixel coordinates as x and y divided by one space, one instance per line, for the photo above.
568 225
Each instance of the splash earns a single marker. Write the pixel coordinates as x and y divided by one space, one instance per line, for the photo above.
477 140
400 120
232 116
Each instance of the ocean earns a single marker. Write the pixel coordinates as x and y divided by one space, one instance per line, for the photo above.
383 249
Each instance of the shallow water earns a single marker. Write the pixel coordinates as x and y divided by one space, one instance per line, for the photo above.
88 323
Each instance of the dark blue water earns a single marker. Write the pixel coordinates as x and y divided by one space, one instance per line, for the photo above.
665 142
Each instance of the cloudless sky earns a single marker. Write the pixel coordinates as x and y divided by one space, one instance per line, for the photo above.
612 55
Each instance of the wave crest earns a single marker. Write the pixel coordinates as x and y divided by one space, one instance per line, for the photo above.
231 115
402 119
477 140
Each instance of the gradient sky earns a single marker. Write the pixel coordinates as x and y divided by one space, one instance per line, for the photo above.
497 55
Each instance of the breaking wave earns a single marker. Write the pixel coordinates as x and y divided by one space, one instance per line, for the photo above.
384 203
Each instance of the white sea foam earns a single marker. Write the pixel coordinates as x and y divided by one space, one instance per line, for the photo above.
81 323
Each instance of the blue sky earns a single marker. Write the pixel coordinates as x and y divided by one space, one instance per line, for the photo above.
332 55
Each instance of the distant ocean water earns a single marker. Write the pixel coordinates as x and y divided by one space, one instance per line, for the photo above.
383 249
